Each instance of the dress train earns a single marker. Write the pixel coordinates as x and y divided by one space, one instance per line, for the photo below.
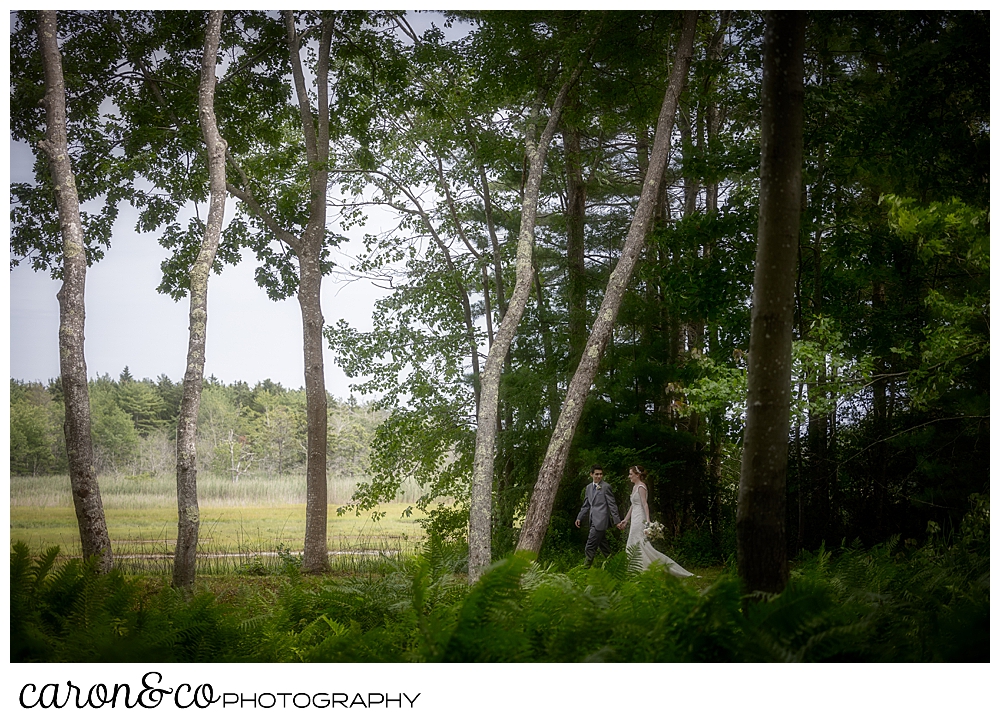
637 540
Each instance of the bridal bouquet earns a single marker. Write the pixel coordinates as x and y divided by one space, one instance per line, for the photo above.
653 530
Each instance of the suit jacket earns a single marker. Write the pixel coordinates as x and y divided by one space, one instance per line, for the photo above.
600 505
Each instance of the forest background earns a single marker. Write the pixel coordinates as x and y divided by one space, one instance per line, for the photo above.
889 435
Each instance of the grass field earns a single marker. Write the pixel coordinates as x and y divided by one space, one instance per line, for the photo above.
250 527
213 491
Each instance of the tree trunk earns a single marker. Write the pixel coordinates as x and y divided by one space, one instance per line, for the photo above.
818 421
761 552
818 428
488 314
576 209
799 487
879 455
715 438
715 420
315 557
187 421
94 539
456 274
470 328
544 329
712 119
660 320
693 330
494 245
480 504
543 496
691 139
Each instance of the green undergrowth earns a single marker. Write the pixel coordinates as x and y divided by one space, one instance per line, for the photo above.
894 602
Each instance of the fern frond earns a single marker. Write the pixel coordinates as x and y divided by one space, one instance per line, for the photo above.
487 629
44 564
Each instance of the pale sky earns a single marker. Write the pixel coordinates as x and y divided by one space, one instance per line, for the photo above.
250 337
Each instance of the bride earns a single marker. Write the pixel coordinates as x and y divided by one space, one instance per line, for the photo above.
639 515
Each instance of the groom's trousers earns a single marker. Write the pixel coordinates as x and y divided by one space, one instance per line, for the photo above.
596 541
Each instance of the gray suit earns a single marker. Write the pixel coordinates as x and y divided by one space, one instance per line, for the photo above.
600 505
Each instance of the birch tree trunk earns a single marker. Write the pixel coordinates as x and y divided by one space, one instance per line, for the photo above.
187 421
544 494
761 554
94 539
481 502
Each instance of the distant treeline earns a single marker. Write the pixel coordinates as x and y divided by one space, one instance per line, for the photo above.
241 429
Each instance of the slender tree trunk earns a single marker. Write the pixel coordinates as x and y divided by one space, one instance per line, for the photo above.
652 321
690 138
456 274
315 557
494 245
543 496
819 430
831 458
661 319
693 330
761 553
488 314
187 420
799 497
712 115
480 506
470 329
818 421
690 332
715 438
715 420
669 321
94 539
551 389
576 210
880 396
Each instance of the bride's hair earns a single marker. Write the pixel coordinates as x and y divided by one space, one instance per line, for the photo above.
641 471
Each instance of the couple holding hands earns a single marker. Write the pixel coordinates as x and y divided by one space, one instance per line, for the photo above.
600 505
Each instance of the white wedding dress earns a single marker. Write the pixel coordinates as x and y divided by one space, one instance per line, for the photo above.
648 555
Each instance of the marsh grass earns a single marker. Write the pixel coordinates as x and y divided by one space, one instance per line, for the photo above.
227 533
253 528
143 492
254 557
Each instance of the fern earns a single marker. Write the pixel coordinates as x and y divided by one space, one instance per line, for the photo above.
893 602
562 619
804 624
487 628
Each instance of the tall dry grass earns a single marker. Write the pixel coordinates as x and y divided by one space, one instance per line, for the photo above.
255 526
145 492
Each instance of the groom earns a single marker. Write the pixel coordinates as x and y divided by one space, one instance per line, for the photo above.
600 503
